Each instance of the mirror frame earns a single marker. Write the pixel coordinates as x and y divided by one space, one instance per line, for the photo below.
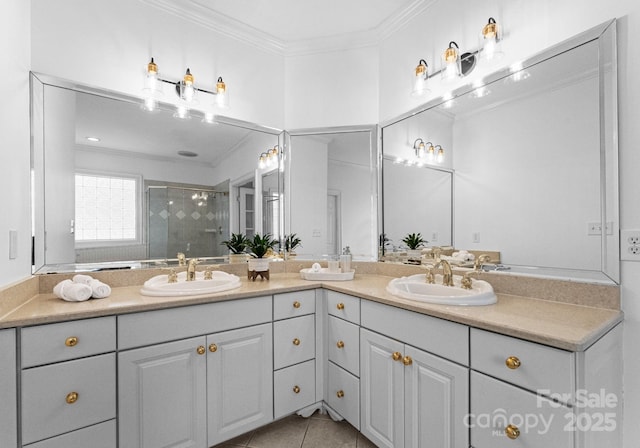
605 34
37 185
375 159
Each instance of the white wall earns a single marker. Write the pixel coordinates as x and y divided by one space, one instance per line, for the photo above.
108 44
332 89
15 51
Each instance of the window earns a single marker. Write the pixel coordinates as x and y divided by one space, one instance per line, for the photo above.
106 209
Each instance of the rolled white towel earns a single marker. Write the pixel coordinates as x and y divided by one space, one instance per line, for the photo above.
81 278
315 267
72 292
57 290
99 290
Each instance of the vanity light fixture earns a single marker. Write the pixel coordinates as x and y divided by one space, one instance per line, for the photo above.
269 158
185 89
427 150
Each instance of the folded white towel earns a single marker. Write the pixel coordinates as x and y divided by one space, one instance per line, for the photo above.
72 292
99 290
81 278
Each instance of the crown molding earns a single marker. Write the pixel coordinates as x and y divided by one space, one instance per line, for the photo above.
197 12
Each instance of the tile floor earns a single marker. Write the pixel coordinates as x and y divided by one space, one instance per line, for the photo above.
317 431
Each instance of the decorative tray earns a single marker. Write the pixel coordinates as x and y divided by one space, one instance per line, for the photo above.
324 274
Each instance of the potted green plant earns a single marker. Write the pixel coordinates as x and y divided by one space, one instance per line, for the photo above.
414 241
260 246
237 246
291 242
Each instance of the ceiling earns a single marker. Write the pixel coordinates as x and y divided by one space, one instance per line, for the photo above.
291 27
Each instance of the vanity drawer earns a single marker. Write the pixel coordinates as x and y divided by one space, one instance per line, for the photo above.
294 341
495 405
63 397
153 327
294 388
437 336
344 344
294 304
343 394
45 344
526 364
102 435
344 306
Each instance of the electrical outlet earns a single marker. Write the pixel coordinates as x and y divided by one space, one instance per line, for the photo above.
630 245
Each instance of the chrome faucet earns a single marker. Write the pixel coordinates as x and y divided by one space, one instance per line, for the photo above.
191 269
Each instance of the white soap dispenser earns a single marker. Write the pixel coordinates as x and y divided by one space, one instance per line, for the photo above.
345 260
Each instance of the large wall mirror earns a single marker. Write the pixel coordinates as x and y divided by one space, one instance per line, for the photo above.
533 157
115 183
332 191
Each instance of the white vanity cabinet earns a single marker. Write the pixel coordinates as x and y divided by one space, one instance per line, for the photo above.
294 352
68 382
8 416
530 395
408 396
212 383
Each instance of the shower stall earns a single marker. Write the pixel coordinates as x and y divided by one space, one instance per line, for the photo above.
190 219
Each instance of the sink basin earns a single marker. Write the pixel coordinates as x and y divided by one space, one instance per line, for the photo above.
160 286
416 288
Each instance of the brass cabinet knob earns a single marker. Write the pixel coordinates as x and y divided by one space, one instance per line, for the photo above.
296 389
512 432
340 344
296 304
340 306
201 350
512 362
213 348
396 356
407 360
340 394
72 397
71 341
296 341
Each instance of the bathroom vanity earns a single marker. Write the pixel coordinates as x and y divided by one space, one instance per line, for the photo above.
136 371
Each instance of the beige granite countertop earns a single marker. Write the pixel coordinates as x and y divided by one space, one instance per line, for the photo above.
556 323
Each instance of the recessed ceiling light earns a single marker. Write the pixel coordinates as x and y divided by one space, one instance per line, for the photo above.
93 139
187 154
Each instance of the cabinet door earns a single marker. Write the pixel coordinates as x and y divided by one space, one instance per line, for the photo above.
8 416
381 390
239 381
436 401
162 395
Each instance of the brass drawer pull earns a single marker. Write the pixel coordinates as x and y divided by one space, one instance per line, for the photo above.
213 348
340 394
513 362
340 344
201 350
396 356
72 397
340 306
512 432
296 341
71 341
407 360
296 304
296 389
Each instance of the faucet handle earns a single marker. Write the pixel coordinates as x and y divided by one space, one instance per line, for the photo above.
181 259
436 251
172 277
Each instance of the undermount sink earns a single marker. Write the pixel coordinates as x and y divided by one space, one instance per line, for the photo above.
160 286
415 287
